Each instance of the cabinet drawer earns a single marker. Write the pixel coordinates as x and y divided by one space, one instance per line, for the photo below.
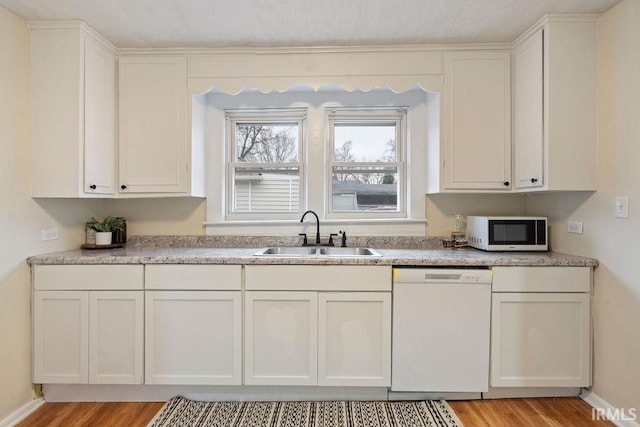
318 278
541 279
88 277
193 277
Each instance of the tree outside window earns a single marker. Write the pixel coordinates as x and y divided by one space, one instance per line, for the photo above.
266 168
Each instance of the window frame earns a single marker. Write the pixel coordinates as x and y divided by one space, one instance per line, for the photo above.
272 116
368 116
422 132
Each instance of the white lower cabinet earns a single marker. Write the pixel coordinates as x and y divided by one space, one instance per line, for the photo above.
88 324
281 338
116 337
317 325
61 337
193 324
300 325
541 338
193 337
354 339
318 338
92 337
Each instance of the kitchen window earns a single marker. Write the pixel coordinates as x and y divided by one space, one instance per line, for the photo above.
346 155
265 168
366 171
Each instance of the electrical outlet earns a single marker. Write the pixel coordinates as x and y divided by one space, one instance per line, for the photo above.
622 207
50 234
574 227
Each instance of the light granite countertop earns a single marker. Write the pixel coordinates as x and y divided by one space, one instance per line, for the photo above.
138 254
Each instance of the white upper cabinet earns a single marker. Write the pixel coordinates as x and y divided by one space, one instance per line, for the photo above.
476 151
528 116
73 107
555 117
99 118
153 109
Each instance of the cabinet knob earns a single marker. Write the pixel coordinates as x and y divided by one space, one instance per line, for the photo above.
93 186
506 183
534 180
123 187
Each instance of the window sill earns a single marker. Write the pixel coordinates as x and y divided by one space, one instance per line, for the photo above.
354 227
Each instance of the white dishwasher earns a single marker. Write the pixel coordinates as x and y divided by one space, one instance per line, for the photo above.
441 324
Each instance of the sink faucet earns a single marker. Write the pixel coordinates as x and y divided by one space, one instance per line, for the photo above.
317 224
344 238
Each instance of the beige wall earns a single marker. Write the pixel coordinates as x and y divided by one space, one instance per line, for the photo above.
22 218
179 216
615 242
442 208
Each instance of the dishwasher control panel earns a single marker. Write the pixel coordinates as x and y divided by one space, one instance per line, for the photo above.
432 275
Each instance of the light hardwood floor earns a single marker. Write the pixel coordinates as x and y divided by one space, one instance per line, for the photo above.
561 412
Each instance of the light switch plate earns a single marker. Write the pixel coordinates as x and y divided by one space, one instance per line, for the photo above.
49 234
622 207
574 227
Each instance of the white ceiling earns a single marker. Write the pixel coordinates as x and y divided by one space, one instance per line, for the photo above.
252 23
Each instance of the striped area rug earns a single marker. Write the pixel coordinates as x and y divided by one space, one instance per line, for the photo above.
181 412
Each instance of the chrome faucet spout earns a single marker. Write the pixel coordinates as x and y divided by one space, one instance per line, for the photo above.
317 224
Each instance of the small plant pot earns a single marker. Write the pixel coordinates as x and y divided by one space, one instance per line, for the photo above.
103 238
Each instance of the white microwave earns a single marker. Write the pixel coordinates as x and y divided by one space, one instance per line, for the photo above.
507 233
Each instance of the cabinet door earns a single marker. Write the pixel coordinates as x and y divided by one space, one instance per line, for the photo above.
193 337
354 339
281 338
153 124
99 118
540 340
61 337
477 134
528 111
116 337
73 111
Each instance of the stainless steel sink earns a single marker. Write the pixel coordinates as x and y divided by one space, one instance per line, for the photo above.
336 251
308 251
288 251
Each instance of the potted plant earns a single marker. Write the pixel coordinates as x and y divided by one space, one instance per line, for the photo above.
105 227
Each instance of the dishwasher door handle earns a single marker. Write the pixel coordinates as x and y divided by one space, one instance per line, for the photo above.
432 277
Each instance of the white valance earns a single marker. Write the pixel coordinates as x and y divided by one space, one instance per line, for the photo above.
285 70
236 85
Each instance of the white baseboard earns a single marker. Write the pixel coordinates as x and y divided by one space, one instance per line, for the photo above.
518 392
416 395
621 417
22 413
162 393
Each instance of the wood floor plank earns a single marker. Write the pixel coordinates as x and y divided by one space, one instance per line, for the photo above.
538 412
532 412
109 414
